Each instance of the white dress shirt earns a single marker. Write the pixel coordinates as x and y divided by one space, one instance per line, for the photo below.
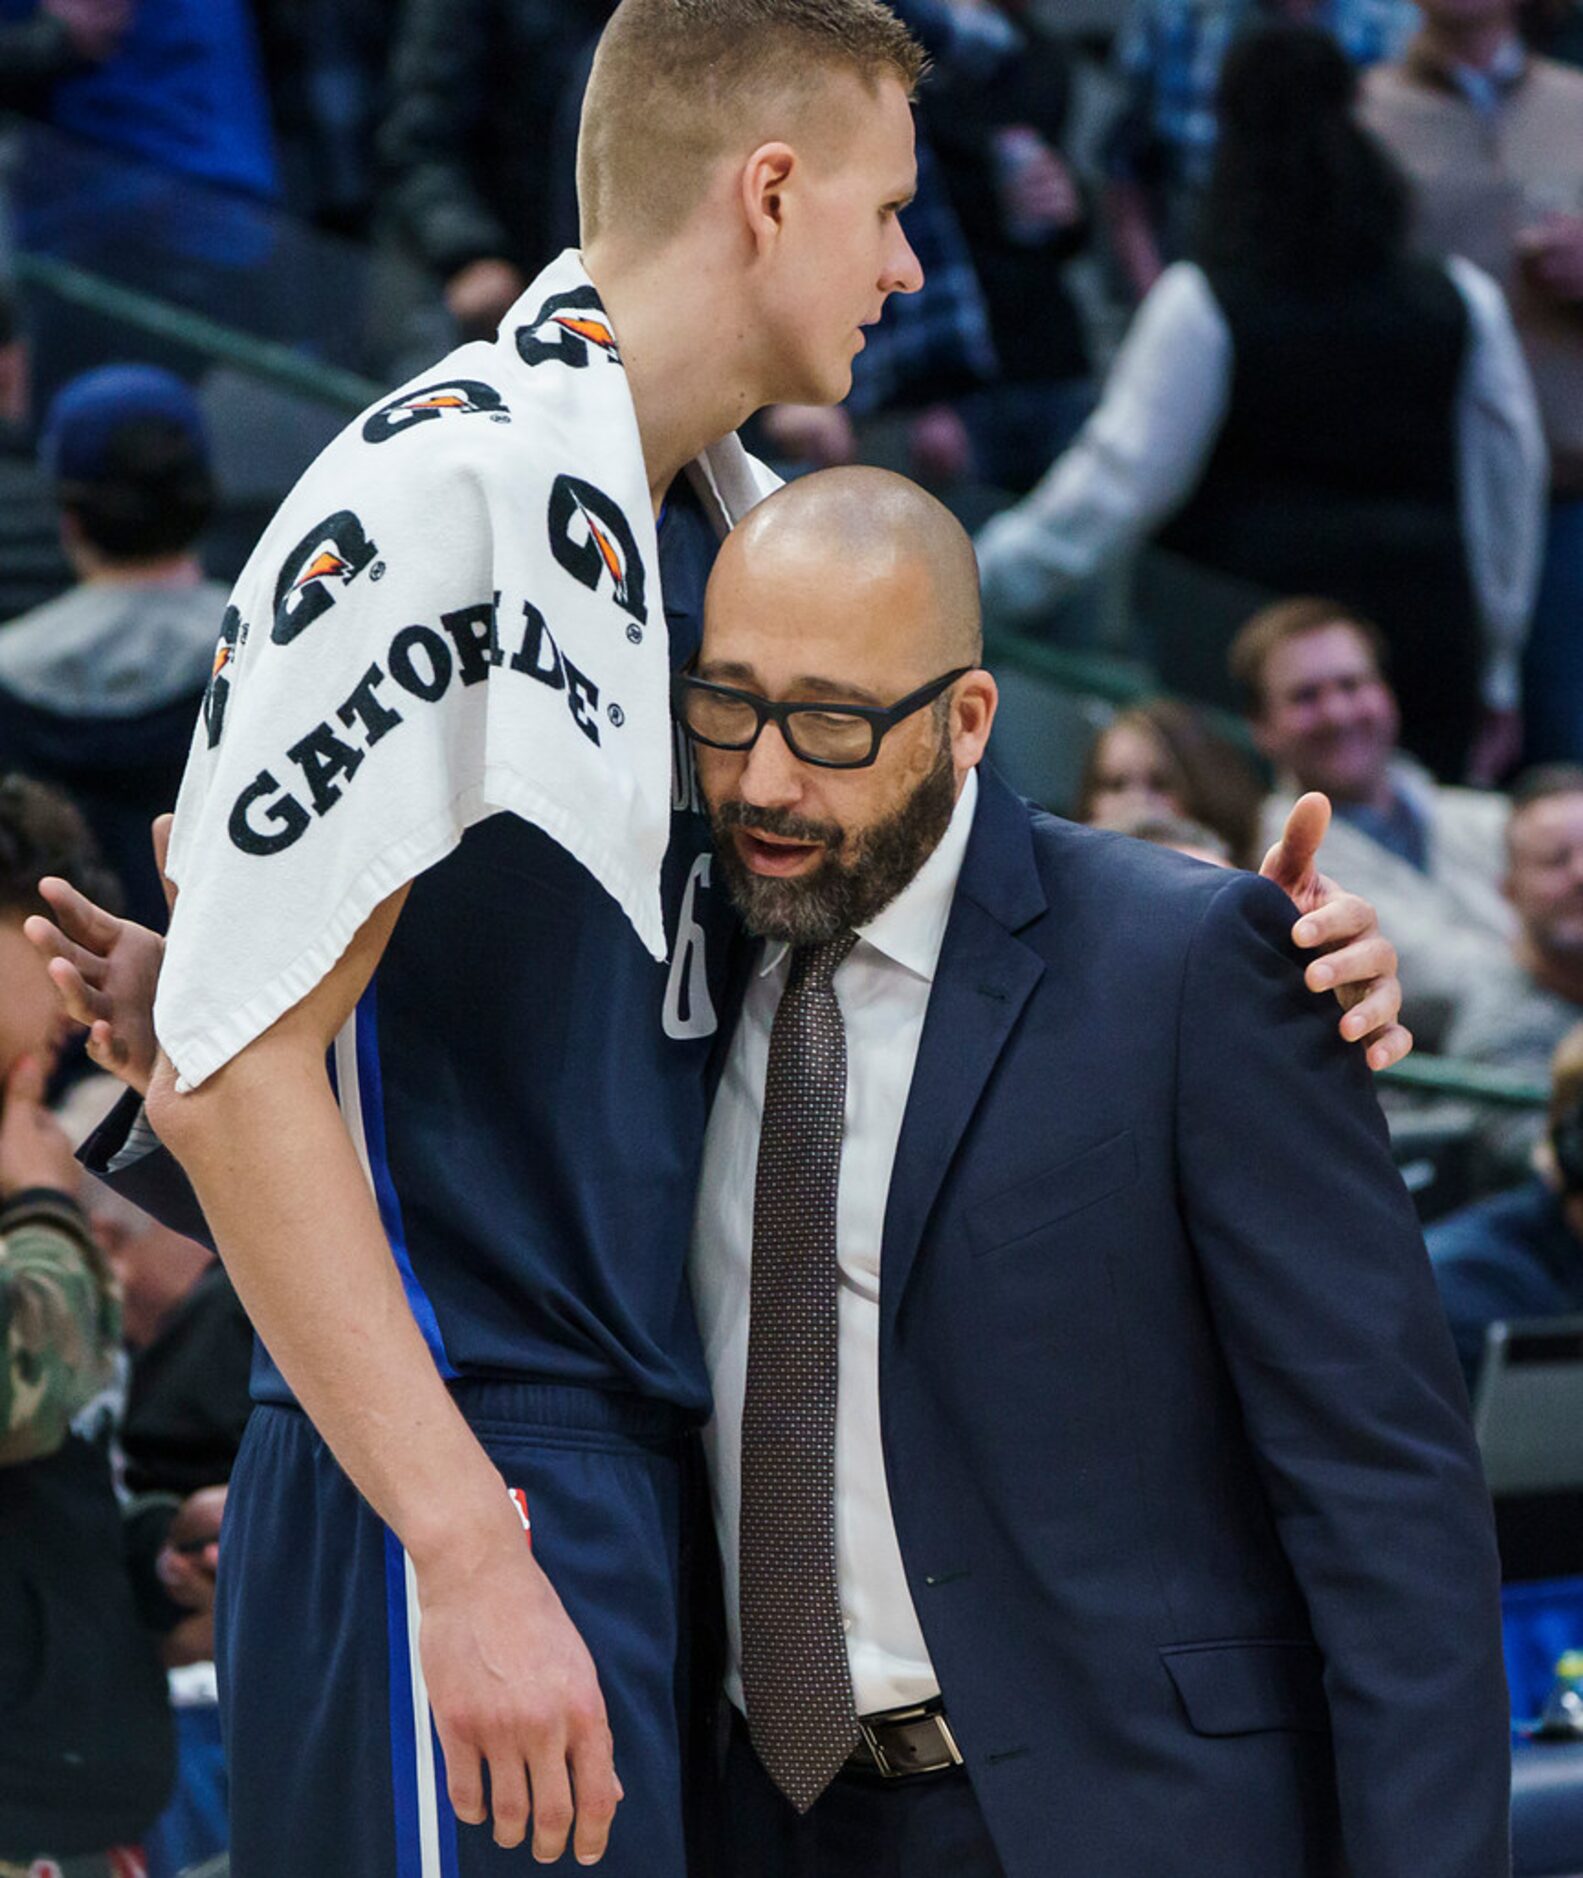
883 989
1141 454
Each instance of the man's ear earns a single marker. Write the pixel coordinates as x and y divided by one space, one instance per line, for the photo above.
765 178
972 718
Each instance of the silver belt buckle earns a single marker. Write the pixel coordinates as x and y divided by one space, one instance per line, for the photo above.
951 1754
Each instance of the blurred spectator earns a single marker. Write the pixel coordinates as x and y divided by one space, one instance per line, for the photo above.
192 1346
159 183
1168 59
324 61
85 1753
175 82
99 690
1162 759
479 141
1514 1015
1520 1253
48 39
1492 136
186 1405
1193 839
998 129
33 568
1430 857
1313 408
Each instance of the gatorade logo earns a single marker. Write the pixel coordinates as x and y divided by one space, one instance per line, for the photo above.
460 397
571 328
591 538
328 558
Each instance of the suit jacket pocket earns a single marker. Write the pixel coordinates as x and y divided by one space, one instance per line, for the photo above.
1245 1688
1043 1199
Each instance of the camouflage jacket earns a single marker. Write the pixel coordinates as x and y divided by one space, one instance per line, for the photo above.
60 1323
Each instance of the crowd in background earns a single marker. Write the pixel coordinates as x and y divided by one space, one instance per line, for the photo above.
1279 299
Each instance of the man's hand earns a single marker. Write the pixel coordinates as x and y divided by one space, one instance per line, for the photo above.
1552 257
106 970
819 434
512 1688
1356 960
480 295
190 1556
34 1149
94 27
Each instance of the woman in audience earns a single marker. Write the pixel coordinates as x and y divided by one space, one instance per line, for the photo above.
1163 759
1308 406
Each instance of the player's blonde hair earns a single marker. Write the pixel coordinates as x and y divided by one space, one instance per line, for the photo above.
678 84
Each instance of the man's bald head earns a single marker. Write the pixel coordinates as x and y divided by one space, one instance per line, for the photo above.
866 530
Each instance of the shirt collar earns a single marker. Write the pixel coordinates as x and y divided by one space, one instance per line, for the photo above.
911 930
1483 88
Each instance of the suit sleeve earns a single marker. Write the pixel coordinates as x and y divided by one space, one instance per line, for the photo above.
153 1180
1321 1293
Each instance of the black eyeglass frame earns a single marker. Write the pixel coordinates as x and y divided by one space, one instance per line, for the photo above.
879 718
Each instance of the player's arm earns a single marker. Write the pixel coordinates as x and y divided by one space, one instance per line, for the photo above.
510 1682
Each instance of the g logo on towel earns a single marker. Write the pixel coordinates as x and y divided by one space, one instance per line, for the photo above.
218 689
568 325
592 539
463 395
337 550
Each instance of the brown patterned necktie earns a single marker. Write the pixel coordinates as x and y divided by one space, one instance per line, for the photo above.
794 1663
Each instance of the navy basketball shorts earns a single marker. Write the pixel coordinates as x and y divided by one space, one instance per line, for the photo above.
335 1769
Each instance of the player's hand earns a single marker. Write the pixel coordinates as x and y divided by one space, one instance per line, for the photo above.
513 1689
34 1149
1356 960
190 1556
105 971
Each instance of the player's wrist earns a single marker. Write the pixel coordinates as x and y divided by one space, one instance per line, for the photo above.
451 1543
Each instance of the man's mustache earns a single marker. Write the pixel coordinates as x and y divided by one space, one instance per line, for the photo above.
780 822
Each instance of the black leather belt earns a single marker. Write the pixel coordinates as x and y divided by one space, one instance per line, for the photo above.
902 1742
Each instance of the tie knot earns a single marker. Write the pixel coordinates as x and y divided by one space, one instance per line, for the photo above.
814 967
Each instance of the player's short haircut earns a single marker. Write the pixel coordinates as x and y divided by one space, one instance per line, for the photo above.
1278 625
42 832
679 84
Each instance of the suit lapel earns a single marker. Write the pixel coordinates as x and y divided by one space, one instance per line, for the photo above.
984 978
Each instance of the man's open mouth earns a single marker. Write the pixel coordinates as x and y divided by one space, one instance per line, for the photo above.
775 854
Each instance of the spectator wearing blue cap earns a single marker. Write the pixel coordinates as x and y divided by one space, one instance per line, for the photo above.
99 688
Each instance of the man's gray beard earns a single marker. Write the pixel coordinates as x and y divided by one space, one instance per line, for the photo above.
838 896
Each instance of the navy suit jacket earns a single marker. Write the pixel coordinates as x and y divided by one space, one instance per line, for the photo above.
1177 1446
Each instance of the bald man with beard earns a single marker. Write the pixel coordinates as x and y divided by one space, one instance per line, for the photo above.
1090 1465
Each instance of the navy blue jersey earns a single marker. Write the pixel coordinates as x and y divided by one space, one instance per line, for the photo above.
530 1087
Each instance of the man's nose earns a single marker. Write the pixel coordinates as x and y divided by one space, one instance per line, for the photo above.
772 778
903 269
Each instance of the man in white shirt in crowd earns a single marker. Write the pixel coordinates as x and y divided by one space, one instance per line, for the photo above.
1431 857
1515 1014
1091 1469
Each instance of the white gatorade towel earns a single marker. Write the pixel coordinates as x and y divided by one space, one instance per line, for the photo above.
455 612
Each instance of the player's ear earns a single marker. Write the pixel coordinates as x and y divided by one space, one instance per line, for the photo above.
766 178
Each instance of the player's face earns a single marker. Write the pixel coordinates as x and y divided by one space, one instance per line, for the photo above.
1329 718
31 1020
843 252
809 851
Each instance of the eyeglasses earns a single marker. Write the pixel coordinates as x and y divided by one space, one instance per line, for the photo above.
833 736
